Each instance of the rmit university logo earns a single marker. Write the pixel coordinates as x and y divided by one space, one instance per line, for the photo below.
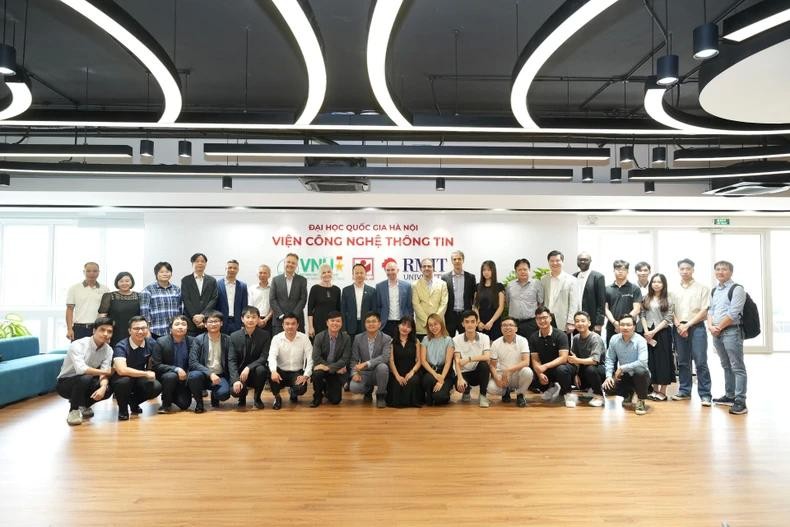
367 263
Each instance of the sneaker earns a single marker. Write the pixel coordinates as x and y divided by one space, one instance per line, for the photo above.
706 401
596 401
199 409
640 408
551 392
738 408
135 409
570 400
724 400
521 402
316 402
242 402
164 409
278 402
74 418
258 403
381 401
506 396
368 398
484 402
628 400
466 397
681 397
86 412
214 401
293 396
123 416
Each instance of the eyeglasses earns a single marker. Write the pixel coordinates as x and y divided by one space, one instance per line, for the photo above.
544 317
213 322
508 325
140 329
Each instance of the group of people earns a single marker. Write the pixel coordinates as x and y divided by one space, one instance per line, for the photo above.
406 344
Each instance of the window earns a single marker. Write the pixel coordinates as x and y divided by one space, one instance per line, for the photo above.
26 266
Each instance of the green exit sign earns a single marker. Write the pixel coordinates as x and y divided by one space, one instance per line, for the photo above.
721 221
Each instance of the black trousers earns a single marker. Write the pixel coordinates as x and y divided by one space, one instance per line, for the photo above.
175 390
443 395
453 321
478 377
82 330
638 382
592 377
562 374
78 389
327 383
288 378
526 327
133 390
255 380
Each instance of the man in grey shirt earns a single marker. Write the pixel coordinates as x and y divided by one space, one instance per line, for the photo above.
587 354
524 296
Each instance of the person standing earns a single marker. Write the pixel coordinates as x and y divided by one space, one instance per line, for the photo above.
394 297
324 298
232 298
170 362
199 293
643 270
160 301
524 296
288 295
657 315
561 293
724 320
260 298
691 300
356 301
489 301
82 303
460 293
120 305
592 291
622 298
428 297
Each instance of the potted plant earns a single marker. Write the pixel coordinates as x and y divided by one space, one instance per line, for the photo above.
12 326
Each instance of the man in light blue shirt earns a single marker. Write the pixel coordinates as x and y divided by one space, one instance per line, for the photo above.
629 350
724 323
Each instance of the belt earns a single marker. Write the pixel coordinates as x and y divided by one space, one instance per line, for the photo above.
80 324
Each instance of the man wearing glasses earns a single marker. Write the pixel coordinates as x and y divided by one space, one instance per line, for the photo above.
628 349
509 364
133 382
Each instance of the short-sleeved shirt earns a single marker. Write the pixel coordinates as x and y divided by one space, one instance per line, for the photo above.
85 300
592 347
621 299
137 357
548 347
507 354
689 299
437 349
471 348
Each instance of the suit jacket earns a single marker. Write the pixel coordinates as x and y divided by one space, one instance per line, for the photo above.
198 353
470 286
594 297
239 302
164 355
404 299
348 305
321 351
238 358
282 303
563 303
382 347
196 303
428 301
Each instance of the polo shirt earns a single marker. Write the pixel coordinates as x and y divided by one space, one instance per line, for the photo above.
86 301
548 347
507 354
621 299
137 357
471 348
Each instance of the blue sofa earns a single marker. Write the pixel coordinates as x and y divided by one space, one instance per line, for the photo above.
24 372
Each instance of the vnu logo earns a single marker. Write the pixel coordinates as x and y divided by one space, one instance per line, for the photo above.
311 267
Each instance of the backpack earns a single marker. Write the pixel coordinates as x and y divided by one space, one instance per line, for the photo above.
750 318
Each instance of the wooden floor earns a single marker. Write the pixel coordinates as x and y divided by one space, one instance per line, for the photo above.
679 465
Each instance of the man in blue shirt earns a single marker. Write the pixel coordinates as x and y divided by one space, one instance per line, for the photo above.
628 349
724 323
132 381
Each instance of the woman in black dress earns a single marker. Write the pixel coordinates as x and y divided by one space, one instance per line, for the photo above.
489 301
120 306
323 299
403 389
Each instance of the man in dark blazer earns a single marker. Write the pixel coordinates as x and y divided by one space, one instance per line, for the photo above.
208 371
232 298
461 287
389 310
370 358
249 353
170 362
331 353
356 300
288 294
199 294
593 291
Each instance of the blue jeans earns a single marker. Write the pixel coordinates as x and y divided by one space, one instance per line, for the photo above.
199 381
693 347
729 346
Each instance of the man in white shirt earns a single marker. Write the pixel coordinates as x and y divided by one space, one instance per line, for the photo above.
290 361
472 355
259 297
560 292
509 364
199 294
84 377
82 303
642 270
356 300
394 298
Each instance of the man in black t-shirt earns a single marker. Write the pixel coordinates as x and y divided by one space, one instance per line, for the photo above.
622 298
548 348
588 354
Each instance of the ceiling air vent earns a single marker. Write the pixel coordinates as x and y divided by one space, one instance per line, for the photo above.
746 188
335 184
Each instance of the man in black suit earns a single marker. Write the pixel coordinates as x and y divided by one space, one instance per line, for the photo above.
331 353
249 353
592 286
288 295
208 363
461 289
170 362
356 300
199 294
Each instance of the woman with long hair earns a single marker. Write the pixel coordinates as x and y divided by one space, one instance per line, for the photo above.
489 301
436 356
657 313
404 384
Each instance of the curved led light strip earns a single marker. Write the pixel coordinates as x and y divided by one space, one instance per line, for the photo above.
684 124
307 40
755 20
130 34
570 18
385 13
701 155
21 98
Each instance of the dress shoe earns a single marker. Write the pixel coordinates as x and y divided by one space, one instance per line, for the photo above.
135 409
368 398
199 409
315 403
242 402
381 402
123 416
258 403
278 402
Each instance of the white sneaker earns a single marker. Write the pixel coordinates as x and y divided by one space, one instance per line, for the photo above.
484 402
74 418
86 412
596 401
570 400
551 392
